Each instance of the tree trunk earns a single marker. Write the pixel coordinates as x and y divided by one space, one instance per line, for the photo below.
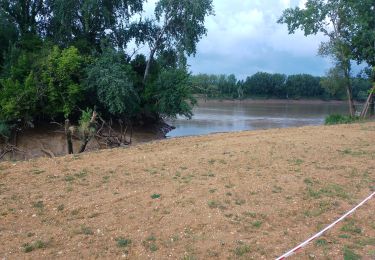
349 92
148 66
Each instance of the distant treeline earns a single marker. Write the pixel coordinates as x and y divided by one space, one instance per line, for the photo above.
267 85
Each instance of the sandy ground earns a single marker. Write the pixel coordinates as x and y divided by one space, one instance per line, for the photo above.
249 195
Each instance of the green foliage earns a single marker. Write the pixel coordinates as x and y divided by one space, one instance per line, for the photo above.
18 99
216 85
111 80
4 130
171 94
340 119
62 74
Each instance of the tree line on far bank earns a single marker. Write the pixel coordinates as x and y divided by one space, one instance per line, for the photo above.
275 85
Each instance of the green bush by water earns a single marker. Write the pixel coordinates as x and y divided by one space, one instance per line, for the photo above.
336 119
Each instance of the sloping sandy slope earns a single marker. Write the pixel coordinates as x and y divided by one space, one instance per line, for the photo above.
239 195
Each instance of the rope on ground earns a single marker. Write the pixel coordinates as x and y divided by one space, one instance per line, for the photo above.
302 245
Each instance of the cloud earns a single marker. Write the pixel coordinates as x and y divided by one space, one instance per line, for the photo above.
244 37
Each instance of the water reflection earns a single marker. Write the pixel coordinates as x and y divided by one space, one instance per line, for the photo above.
214 116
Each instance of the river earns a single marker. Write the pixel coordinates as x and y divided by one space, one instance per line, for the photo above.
229 116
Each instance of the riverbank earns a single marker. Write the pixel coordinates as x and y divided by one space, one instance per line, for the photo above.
237 195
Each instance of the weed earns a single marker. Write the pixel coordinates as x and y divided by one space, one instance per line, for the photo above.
213 204
61 207
257 224
350 227
81 174
212 190
150 243
277 189
155 196
240 202
38 204
350 254
308 181
321 242
123 242
242 250
86 231
69 178
39 244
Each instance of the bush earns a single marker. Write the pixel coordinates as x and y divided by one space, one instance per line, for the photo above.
340 119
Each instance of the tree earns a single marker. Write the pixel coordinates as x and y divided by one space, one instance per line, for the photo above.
85 23
110 79
333 82
171 95
362 31
61 76
178 26
332 18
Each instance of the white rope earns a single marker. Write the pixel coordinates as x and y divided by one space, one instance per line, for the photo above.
297 248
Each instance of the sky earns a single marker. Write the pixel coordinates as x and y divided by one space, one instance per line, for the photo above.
244 38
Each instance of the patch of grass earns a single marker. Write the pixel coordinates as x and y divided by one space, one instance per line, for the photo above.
123 242
69 178
242 250
213 204
37 171
240 202
212 190
81 174
257 224
330 190
350 254
277 189
155 196
350 227
150 243
308 181
321 242
86 230
366 241
39 244
38 204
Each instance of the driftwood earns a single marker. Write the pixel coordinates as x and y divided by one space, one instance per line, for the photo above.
108 137
86 135
10 148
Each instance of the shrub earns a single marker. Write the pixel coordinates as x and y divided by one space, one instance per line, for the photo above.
336 119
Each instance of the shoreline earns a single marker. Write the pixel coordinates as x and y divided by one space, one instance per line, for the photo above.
275 101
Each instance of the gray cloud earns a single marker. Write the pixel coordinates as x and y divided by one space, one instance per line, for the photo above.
244 38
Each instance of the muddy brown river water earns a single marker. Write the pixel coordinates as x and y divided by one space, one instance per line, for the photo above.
230 116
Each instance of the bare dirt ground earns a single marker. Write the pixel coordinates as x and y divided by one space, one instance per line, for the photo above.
249 195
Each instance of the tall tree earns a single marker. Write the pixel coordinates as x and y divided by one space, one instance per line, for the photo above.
332 18
178 25
87 22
